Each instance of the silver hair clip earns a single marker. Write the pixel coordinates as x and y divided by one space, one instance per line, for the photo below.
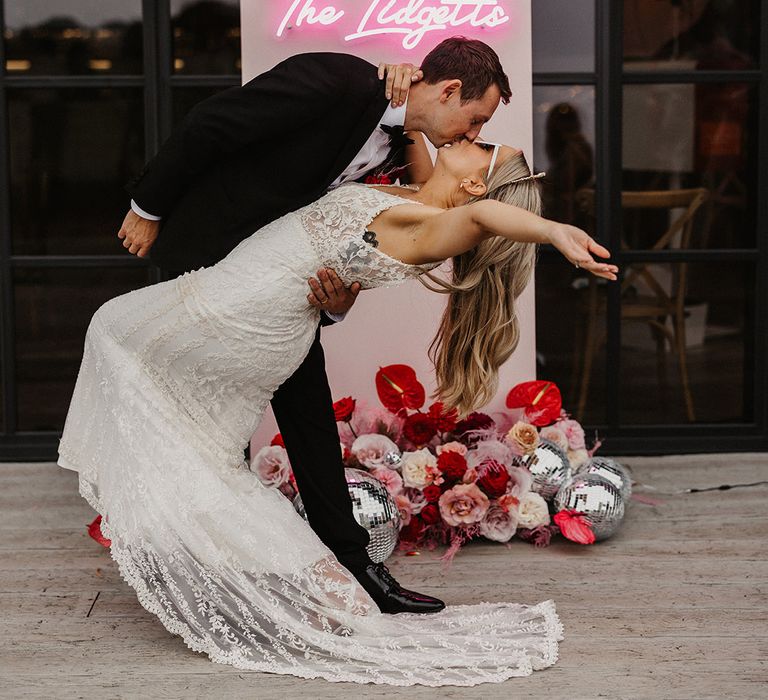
528 177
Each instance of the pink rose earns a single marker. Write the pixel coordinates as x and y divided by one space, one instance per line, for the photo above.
520 481
417 498
405 507
272 466
452 447
554 434
370 450
463 504
490 449
573 432
392 481
498 524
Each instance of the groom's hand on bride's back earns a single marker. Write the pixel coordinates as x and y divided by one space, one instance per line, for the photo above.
329 294
138 234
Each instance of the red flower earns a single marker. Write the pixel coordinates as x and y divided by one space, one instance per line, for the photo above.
378 180
494 479
540 399
413 531
575 526
474 421
452 464
430 514
94 530
419 428
444 421
398 388
344 408
432 493
277 440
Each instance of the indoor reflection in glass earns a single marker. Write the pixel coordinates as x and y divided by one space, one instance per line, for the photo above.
206 36
684 135
691 34
76 37
53 308
71 152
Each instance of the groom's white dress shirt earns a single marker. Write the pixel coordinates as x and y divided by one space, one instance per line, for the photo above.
373 153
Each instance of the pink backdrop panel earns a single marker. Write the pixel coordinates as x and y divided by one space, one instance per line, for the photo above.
388 326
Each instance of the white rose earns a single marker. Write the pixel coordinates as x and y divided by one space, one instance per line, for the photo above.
272 466
371 449
499 525
532 511
414 467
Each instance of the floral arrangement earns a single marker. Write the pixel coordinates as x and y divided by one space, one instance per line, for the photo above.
452 480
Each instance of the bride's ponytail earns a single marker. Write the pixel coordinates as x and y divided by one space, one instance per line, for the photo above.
479 329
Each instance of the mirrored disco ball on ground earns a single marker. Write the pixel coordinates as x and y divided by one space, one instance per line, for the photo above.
597 498
374 509
549 467
611 470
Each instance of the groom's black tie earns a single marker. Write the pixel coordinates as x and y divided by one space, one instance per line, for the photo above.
397 137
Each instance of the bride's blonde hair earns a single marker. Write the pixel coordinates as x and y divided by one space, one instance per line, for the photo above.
479 329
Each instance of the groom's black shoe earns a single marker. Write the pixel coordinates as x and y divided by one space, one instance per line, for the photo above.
390 596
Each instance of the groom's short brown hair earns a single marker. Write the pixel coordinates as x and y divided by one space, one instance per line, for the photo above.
476 64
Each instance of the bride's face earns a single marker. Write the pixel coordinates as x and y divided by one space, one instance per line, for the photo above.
464 159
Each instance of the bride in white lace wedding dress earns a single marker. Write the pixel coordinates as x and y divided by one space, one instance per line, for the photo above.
174 380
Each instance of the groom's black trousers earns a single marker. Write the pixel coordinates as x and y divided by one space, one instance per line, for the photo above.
303 408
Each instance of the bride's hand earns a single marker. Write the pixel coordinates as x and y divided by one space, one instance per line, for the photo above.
577 247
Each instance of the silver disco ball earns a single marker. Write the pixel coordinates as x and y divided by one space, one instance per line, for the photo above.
549 467
611 470
374 509
597 499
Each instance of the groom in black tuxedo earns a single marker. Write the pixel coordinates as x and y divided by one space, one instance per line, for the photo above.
246 156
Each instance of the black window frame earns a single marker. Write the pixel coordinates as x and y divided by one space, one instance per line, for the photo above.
608 78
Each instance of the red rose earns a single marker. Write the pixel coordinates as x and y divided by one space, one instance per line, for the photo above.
430 514
445 421
419 428
344 408
452 465
494 479
432 493
474 421
413 531
277 440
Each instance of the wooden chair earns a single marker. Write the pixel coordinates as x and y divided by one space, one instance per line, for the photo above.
657 306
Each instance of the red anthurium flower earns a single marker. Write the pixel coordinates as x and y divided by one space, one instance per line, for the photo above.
344 408
94 530
575 526
277 441
398 388
540 399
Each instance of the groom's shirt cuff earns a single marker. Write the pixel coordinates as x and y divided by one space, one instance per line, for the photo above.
138 210
335 317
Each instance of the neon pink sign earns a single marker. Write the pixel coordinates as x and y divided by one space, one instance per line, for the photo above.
412 19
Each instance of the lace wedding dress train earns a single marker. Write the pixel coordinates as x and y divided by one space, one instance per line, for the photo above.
174 380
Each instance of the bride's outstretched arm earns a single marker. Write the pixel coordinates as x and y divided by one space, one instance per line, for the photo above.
444 235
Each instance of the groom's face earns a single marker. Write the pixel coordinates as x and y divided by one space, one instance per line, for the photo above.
450 120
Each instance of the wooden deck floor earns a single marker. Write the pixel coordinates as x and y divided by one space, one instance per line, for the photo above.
673 606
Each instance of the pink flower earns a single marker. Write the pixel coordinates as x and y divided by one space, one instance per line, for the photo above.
405 507
490 449
417 498
470 476
392 481
371 449
573 432
463 504
272 466
499 524
520 481
452 447
554 434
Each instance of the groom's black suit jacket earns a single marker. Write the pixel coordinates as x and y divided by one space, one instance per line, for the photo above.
249 154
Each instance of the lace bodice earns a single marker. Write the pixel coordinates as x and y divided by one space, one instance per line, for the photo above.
336 225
